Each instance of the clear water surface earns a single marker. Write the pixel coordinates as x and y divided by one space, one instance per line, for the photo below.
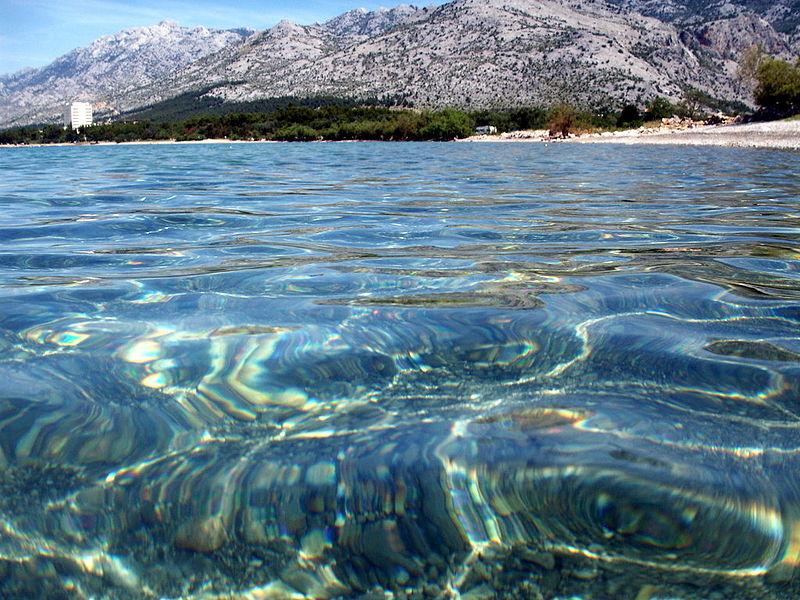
428 370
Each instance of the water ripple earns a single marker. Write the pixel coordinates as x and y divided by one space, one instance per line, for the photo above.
316 370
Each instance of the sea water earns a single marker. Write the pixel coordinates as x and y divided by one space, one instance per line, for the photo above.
399 370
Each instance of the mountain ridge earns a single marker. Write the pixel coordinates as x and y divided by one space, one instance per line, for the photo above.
465 53
107 67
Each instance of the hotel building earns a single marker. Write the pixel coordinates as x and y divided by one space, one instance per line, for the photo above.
78 114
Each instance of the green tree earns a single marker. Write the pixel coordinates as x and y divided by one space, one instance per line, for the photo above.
296 133
693 100
659 108
629 116
448 125
778 87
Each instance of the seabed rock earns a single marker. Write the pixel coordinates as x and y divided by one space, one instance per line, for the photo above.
202 535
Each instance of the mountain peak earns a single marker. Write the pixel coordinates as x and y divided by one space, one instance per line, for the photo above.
465 53
285 27
362 22
107 67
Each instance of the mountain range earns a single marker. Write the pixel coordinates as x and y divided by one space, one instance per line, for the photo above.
465 53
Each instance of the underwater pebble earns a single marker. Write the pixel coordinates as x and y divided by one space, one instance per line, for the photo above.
585 573
544 559
529 591
299 579
482 571
253 530
377 593
646 592
314 543
201 535
780 574
482 592
91 499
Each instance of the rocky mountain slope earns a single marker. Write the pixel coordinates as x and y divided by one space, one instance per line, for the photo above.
478 53
773 23
269 63
466 53
106 69
783 15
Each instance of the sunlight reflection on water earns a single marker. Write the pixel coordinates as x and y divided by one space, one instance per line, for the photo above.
315 370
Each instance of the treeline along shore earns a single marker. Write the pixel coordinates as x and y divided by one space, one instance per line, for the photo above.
341 122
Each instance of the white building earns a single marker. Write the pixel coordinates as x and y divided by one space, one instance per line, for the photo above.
78 114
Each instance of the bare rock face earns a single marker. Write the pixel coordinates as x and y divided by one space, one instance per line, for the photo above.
745 17
107 68
477 54
782 15
466 53
729 38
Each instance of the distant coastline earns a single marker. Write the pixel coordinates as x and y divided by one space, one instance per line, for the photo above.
775 134
140 143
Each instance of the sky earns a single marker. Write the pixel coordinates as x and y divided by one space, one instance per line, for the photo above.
35 32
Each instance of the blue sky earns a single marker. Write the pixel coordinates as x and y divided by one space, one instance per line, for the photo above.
34 32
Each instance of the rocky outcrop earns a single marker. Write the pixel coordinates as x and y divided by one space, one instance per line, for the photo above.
729 38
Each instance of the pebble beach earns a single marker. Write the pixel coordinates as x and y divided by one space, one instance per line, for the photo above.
775 134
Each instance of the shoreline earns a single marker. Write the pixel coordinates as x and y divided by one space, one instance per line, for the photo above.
779 135
211 141
139 143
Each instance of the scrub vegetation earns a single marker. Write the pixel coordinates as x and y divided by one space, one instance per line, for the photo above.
329 119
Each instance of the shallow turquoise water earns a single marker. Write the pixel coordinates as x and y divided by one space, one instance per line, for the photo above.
335 369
